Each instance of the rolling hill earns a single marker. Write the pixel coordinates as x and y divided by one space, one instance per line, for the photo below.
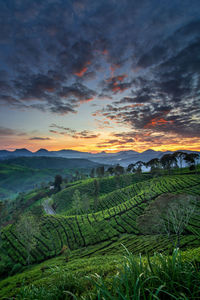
114 217
25 173
92 234
43 162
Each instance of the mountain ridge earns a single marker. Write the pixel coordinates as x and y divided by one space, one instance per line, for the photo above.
122 157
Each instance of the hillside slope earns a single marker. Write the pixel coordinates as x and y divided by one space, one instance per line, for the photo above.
43 162
102 227
24 173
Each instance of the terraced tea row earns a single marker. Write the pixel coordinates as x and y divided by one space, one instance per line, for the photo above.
63 201
101 227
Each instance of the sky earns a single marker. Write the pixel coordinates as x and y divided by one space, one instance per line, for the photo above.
100 75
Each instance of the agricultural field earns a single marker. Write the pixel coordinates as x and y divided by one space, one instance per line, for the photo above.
93 220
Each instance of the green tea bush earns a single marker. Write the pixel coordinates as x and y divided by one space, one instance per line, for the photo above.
15 269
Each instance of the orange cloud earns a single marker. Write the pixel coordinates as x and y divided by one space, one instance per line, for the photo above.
157 122
121 77
118 87
86 100
81 72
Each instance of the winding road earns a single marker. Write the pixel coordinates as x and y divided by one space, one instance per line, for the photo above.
48 208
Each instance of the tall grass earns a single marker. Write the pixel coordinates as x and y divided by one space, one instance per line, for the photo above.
161 277
158 277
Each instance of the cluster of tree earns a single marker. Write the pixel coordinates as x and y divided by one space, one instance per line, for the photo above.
101 172
167 162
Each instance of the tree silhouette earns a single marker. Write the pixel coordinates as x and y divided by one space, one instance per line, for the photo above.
167 161
190 159
119 170
139 165
100 171
110 170
153 164
57 183
130 167
92 173
179 155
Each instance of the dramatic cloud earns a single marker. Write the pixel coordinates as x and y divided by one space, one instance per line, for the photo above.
139 59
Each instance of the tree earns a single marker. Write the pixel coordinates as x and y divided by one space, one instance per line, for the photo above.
92 173
77 201
96 194
168 161
100 171
191 158
153 164
138 166
179 155
130 167
27 229
77 176
57 183
119 170
168 214
110 170
85 203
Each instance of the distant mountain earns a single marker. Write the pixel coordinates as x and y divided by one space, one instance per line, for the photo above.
122 157
22 152
41 152
4 153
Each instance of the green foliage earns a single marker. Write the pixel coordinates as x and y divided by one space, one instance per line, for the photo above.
116 216
57 182
25 173
93 236
109 277
63 200
77 201
161 277
6 265
27 229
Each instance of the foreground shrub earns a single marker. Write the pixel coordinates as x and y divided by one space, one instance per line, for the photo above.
161 277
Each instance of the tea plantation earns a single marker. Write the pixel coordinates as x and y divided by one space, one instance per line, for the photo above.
94 221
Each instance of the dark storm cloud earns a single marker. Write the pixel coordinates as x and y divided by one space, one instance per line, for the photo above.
51 49
78 91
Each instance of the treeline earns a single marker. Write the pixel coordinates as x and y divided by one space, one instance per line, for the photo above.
175 160
166 162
